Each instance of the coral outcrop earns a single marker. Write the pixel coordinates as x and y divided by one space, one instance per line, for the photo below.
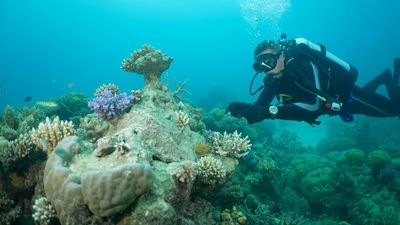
141 167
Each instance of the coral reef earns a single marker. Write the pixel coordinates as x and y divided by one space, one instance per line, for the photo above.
139 169
154 162
148 61
49 133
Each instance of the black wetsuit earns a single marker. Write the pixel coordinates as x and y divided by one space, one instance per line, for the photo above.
312 82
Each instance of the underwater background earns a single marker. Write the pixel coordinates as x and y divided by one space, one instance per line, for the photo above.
48 49
335 173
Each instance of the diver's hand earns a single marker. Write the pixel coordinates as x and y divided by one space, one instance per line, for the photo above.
237 109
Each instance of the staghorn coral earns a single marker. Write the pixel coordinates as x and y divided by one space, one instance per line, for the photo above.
113 88
210 170
182 119
44 212
148 61
231 144
109 106
49 133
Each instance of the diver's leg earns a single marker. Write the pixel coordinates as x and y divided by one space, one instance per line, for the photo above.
371 104
383 78
396 70
393 85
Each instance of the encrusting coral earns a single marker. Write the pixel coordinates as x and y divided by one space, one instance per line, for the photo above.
49 133
148 61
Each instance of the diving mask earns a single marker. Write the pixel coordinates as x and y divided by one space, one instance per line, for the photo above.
266 62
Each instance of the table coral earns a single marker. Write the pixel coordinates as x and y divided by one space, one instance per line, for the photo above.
148 61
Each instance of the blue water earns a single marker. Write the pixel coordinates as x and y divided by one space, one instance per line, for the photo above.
50 48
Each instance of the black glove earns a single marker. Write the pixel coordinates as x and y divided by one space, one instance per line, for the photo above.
257 113
237 109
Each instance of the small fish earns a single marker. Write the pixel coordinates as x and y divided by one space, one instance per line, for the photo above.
70 85
28 99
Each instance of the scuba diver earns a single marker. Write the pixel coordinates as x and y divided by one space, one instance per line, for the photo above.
308 81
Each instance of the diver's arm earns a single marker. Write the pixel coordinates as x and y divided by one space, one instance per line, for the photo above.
237 109
257 113
267 94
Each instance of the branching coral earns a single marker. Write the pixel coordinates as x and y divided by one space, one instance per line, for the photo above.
49 133
17 149
182 119
210 170
10 118
113 88
44 212
109 105
148 61
231 144
187 172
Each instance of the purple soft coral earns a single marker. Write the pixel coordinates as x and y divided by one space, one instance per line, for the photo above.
108 105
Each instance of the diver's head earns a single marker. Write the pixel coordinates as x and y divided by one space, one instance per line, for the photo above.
269 58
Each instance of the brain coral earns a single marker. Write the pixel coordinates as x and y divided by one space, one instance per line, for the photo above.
106 191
